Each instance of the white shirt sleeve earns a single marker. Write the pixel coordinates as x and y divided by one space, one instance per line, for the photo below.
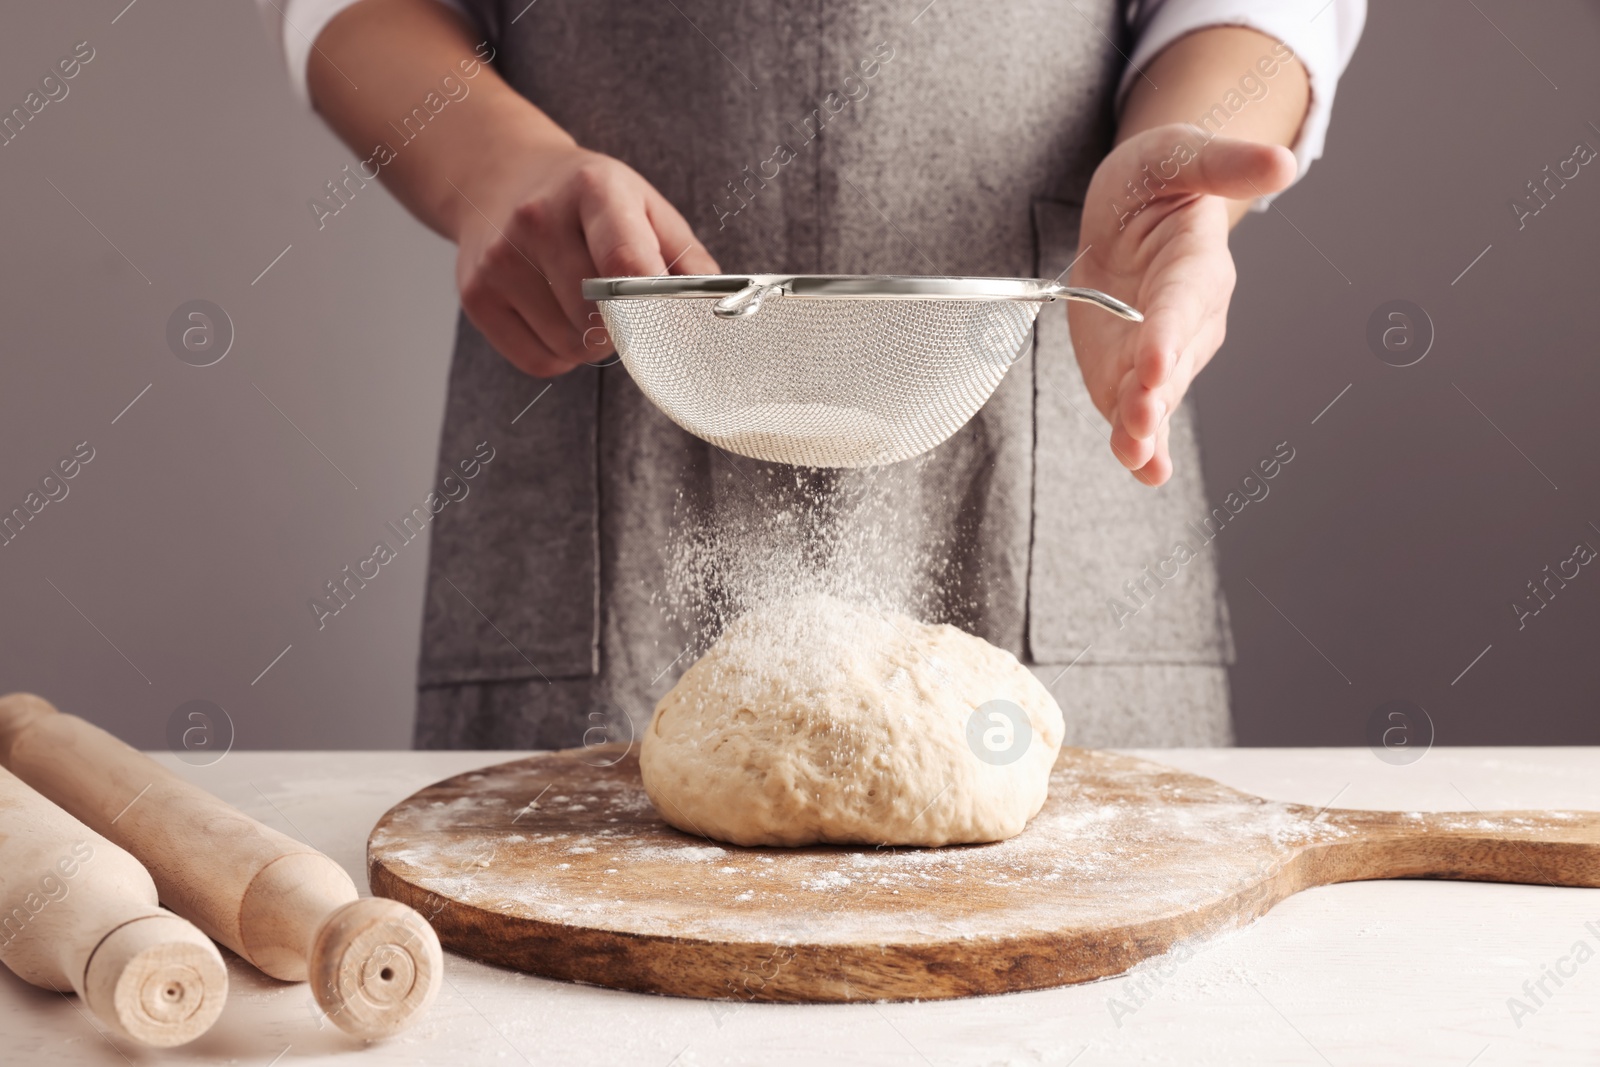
295 24
1322 33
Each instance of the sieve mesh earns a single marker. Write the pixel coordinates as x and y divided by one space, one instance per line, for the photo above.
821 382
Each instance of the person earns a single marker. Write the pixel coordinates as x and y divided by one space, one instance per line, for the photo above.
554 141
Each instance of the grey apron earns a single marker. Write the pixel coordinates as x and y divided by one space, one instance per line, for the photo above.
818 136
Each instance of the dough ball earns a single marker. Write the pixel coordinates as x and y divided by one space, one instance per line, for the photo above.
817 721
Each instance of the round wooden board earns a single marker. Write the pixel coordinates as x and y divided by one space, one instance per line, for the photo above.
558 865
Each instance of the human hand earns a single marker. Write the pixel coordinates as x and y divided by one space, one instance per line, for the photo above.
539 221
1170 260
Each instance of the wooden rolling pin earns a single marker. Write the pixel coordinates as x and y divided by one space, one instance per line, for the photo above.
81 913
373 964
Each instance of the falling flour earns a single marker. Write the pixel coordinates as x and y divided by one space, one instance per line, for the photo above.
769 534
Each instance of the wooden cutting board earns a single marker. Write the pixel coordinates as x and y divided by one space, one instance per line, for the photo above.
558 865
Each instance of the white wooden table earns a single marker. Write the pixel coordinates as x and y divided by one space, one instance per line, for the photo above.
1363 973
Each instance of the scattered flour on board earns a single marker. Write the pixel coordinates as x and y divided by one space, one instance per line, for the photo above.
692 853
828 880
1081 861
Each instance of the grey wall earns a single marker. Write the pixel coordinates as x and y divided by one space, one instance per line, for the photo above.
1408 524
194 538
179 563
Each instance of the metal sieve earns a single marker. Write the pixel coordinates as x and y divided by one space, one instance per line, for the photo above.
824 370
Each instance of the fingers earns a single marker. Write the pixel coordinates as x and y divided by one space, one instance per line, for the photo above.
588 217
602 231
1190 285
510 334
1133 450
1148 459
1178 320
570 262
1186 335
683 251
621 240
1181 162
507 282
1141 410
538 304
1177 310
1159 468
634 232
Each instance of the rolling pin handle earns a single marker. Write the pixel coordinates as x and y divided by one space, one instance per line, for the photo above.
157 980
375 964
18 711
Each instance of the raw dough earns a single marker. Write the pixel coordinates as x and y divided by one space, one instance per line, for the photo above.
816 721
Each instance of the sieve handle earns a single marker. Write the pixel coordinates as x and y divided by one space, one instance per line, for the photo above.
1056 291
749 298
745 302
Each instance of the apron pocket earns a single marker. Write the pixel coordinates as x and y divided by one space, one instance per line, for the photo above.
512 565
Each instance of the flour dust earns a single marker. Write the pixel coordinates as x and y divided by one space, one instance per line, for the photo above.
770 535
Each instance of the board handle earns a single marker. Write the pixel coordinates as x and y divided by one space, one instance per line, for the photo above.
1532 847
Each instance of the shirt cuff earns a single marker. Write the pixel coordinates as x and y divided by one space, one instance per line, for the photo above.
1321 33
300 22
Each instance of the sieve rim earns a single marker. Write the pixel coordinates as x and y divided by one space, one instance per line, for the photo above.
824 287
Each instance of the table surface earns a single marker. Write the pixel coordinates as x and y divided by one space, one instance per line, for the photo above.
1411 972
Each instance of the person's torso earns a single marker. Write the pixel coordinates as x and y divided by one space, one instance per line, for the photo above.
833 136
820 136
